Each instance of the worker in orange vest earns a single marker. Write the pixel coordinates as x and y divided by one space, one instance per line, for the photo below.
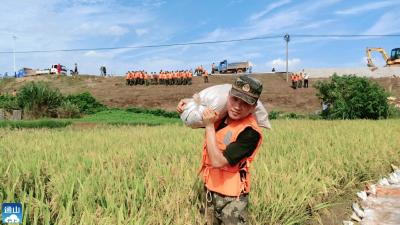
185 77
169 77
205 76
292 79
174 78
134 78
295 79
190 77
300 81
146 79
128 78
230 146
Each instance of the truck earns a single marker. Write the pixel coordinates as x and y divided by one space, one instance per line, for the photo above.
51 70
235 67
42 71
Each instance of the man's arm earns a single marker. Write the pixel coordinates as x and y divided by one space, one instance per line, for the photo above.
215 155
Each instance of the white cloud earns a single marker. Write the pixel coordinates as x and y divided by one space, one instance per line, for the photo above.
141 31
291 18
316 5
280 64
91 53
117 30
268 9
366 7
153 3
388 23
318 24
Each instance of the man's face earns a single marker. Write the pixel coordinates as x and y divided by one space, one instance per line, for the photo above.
237 108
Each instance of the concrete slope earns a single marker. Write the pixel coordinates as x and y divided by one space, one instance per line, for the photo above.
364 71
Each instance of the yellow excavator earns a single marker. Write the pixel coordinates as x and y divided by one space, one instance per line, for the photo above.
393 60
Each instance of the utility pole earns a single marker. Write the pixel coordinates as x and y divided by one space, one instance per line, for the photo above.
287 39
15 38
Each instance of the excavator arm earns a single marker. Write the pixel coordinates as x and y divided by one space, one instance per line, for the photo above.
369 58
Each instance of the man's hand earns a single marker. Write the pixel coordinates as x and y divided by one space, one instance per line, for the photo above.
181 105
209 117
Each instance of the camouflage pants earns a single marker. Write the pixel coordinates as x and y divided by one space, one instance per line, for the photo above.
225 210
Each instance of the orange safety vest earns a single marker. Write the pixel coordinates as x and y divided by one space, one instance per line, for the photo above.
226 180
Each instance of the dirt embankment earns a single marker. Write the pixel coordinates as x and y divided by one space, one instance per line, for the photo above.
277 94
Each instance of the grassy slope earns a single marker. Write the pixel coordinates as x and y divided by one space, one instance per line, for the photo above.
277 94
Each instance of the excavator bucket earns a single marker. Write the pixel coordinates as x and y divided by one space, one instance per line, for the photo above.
371 65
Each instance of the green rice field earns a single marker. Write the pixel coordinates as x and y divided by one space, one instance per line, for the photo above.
148 174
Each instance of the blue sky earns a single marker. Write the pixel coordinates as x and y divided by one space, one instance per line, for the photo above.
89 24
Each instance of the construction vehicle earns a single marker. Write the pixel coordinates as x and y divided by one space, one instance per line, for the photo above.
52 70
236 67
393 60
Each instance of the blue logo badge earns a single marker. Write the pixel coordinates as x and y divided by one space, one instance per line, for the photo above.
11 213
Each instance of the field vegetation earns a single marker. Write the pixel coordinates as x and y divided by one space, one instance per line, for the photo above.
147 174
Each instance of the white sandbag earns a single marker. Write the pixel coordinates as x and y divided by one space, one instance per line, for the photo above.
262 116
216 97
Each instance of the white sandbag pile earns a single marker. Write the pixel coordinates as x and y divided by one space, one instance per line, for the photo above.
216 97
379 203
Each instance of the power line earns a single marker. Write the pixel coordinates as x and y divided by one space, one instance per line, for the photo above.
345 35
146 46
205 42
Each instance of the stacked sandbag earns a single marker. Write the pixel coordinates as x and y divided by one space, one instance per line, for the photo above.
379 203
216 97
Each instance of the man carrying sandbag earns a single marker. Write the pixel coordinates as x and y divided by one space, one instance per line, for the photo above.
230 147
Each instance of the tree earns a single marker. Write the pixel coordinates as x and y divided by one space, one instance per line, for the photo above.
352 97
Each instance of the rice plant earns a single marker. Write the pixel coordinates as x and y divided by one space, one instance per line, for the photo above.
147 174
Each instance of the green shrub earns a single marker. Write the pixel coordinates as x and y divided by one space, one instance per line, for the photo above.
8 102
352 97
156 112
314 117
68 110
273 115
394 112
39 100
34 124
292 115
86 103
